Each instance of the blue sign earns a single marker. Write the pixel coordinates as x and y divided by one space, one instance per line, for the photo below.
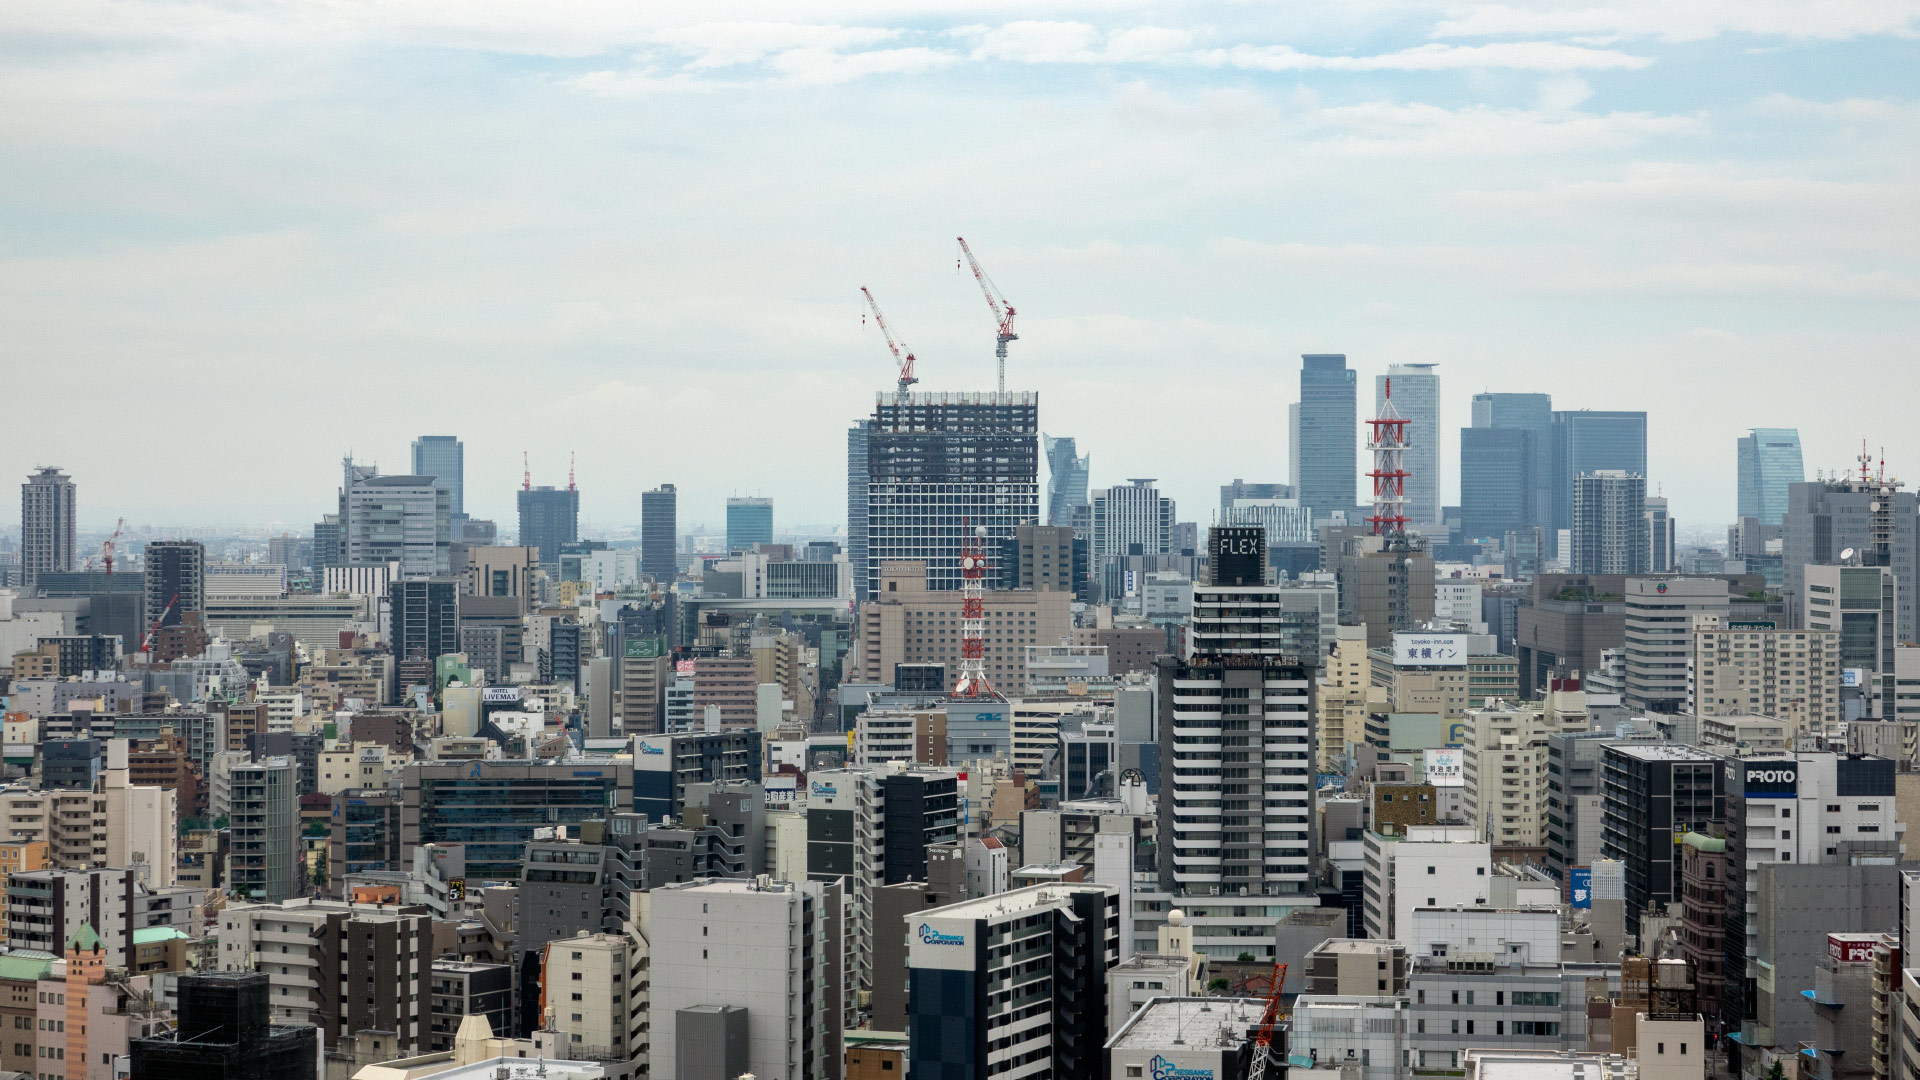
1162 1069
819 788
1580 886
930 936
645 749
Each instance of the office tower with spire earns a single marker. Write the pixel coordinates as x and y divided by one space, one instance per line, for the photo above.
1326 435
659 532
942 466
1609 533
47 543
444 458
1416 395
1067 472
1769 464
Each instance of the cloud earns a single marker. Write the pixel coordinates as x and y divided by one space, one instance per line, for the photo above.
818 67
1379 128
1522 55
1691 20
1039 42
715 45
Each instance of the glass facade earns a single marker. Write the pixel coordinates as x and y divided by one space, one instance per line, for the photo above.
443 458
1769 462
1590 442
494 810
1327 434
1497 481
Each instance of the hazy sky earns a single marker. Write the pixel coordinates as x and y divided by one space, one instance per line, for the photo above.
238 240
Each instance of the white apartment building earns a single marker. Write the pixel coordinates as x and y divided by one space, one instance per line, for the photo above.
1792 675
766 947
1504 766
593 1003
355 766
1432 866
1659 636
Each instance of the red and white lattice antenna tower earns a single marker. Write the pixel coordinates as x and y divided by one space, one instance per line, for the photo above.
1389 446
973 619
569 470
526 473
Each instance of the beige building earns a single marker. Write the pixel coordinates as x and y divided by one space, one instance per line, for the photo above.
1486 679
502 571
1346 693
1504 766
1793 675
588 983
906 622
121 825
783 659
1747 736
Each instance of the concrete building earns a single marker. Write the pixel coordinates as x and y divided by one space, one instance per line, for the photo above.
175 577
1505 765
483 805
764 947
1176 1036
1653 793
395 519
1753 670
936 460
905 621
1659 623
1825 518
1067 939
1590 441
1862 605
593 999
47 515
1131 519
309 949
264 861
549 517
461 989
1345 694
1387 589
1608 523
1430 866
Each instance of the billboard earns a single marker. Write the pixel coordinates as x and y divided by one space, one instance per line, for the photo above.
500 693
1853 678
1429 650
644 648
1770 779
1237 554
1444 767
1851 948
1580 886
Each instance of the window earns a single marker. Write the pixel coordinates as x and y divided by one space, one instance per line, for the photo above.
1429 870
1132 1070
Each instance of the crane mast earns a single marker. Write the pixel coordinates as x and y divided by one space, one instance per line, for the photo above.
1002 311
901 353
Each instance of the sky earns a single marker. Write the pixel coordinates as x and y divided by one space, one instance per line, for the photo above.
238 241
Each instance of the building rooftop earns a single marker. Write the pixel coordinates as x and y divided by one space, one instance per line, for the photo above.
1013 900
1151 962
1663 752
1546 1065
1192 1023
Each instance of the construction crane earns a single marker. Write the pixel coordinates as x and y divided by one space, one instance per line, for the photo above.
901 354
1002 311
106 549
526 473
1263 1037
146 643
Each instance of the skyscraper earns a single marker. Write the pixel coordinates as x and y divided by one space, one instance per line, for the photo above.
1585 442
1241 489
1327 434
47 542
857 506
749 522
1609 523
176 579
1128 514
1497 481
549 517
1236 651
1660 554
388 519
1769 463
443 458
1824 518
1067 473
1532 413
1416 396
942 466
659 532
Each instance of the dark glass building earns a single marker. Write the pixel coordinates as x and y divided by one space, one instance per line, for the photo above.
1496 481
222 1031
1586 441
550 517
1327 439
659 532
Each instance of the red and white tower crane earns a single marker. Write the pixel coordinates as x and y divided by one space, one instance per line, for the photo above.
526 473
973 618
901 354
1389 445
1263 1037
997 303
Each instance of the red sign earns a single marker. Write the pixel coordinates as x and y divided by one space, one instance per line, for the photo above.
1850 950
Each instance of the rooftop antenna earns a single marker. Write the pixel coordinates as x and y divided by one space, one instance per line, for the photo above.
569 470
526 473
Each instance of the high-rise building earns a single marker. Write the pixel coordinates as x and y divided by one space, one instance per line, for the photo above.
1793 675
1416 396
47 542
1659 636
1609 523
1067 472
1827 517
394 519
783 1002
176 580
857 476
265 856
749 522
550 517
1130 519
1585 441
1533 414
1386 587
309 948
484 805
958 1025
1769 460
1498 481
1660 531
1861 604
659 533
1653 793
1242 489
1327 435
945 470
1236 737
328 549
444 458
425 621
906 621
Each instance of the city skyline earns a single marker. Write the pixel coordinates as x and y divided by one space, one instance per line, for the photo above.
1501 196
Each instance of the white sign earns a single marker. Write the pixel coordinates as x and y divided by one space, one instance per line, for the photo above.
1853 678
1430 650
1444 768
500 693
940 943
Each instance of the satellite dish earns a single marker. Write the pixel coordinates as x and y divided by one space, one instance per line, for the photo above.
1874 506
1845 554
